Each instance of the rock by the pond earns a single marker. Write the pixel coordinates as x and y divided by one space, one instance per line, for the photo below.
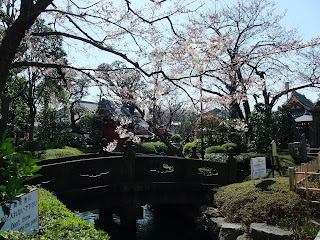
264 231
210 211
244 237
224 230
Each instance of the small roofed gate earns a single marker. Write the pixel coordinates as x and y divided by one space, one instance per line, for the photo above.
106 182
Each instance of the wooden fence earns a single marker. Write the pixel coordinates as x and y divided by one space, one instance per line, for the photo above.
299 176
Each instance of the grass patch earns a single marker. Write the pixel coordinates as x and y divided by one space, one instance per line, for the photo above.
268 201
57 153
58 222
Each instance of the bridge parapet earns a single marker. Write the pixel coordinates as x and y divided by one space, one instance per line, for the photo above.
132 179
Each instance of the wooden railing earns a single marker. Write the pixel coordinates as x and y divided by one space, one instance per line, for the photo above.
299 176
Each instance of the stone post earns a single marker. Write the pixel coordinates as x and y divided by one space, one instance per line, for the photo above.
128 168
303 149
231 167
194 152
105 216
128 220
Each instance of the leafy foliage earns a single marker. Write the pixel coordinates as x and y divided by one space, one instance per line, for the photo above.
57 222
72 140
284 126
90 122
261 128
15 169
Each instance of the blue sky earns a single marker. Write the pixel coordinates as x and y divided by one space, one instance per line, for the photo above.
305 16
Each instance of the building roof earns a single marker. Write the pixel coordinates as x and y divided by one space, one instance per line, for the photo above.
300 98
91 106
299 104
112 109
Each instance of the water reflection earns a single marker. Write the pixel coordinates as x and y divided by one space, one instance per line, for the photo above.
156 224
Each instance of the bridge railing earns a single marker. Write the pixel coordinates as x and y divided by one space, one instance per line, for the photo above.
95 171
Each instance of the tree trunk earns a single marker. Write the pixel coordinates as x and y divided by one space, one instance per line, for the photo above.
5 102
32 120
15 33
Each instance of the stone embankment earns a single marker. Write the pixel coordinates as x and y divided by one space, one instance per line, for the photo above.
220 229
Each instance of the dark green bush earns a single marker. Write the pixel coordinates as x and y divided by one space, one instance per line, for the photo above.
160 147
176 138
94 142
72 140
231 146
215 149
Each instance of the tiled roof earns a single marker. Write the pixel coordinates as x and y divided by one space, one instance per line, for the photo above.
112 109
302 99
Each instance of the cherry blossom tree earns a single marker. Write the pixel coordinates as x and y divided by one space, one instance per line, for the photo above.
235 52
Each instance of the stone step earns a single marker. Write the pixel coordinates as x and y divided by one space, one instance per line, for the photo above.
264 231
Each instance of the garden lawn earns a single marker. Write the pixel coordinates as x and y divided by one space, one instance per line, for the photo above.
57 222
57 153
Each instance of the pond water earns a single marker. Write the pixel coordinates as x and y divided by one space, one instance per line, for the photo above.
155 225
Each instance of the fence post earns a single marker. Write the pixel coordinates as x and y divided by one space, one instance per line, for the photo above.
292 178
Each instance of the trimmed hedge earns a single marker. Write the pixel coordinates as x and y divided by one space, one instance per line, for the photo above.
57 153
151 148
187 149
269 201
58 222
215 149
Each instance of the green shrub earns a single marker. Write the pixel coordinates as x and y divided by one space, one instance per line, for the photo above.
216 157
215 149
160 147
231 146
187 149
268 201
146 147
176 138
57 222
